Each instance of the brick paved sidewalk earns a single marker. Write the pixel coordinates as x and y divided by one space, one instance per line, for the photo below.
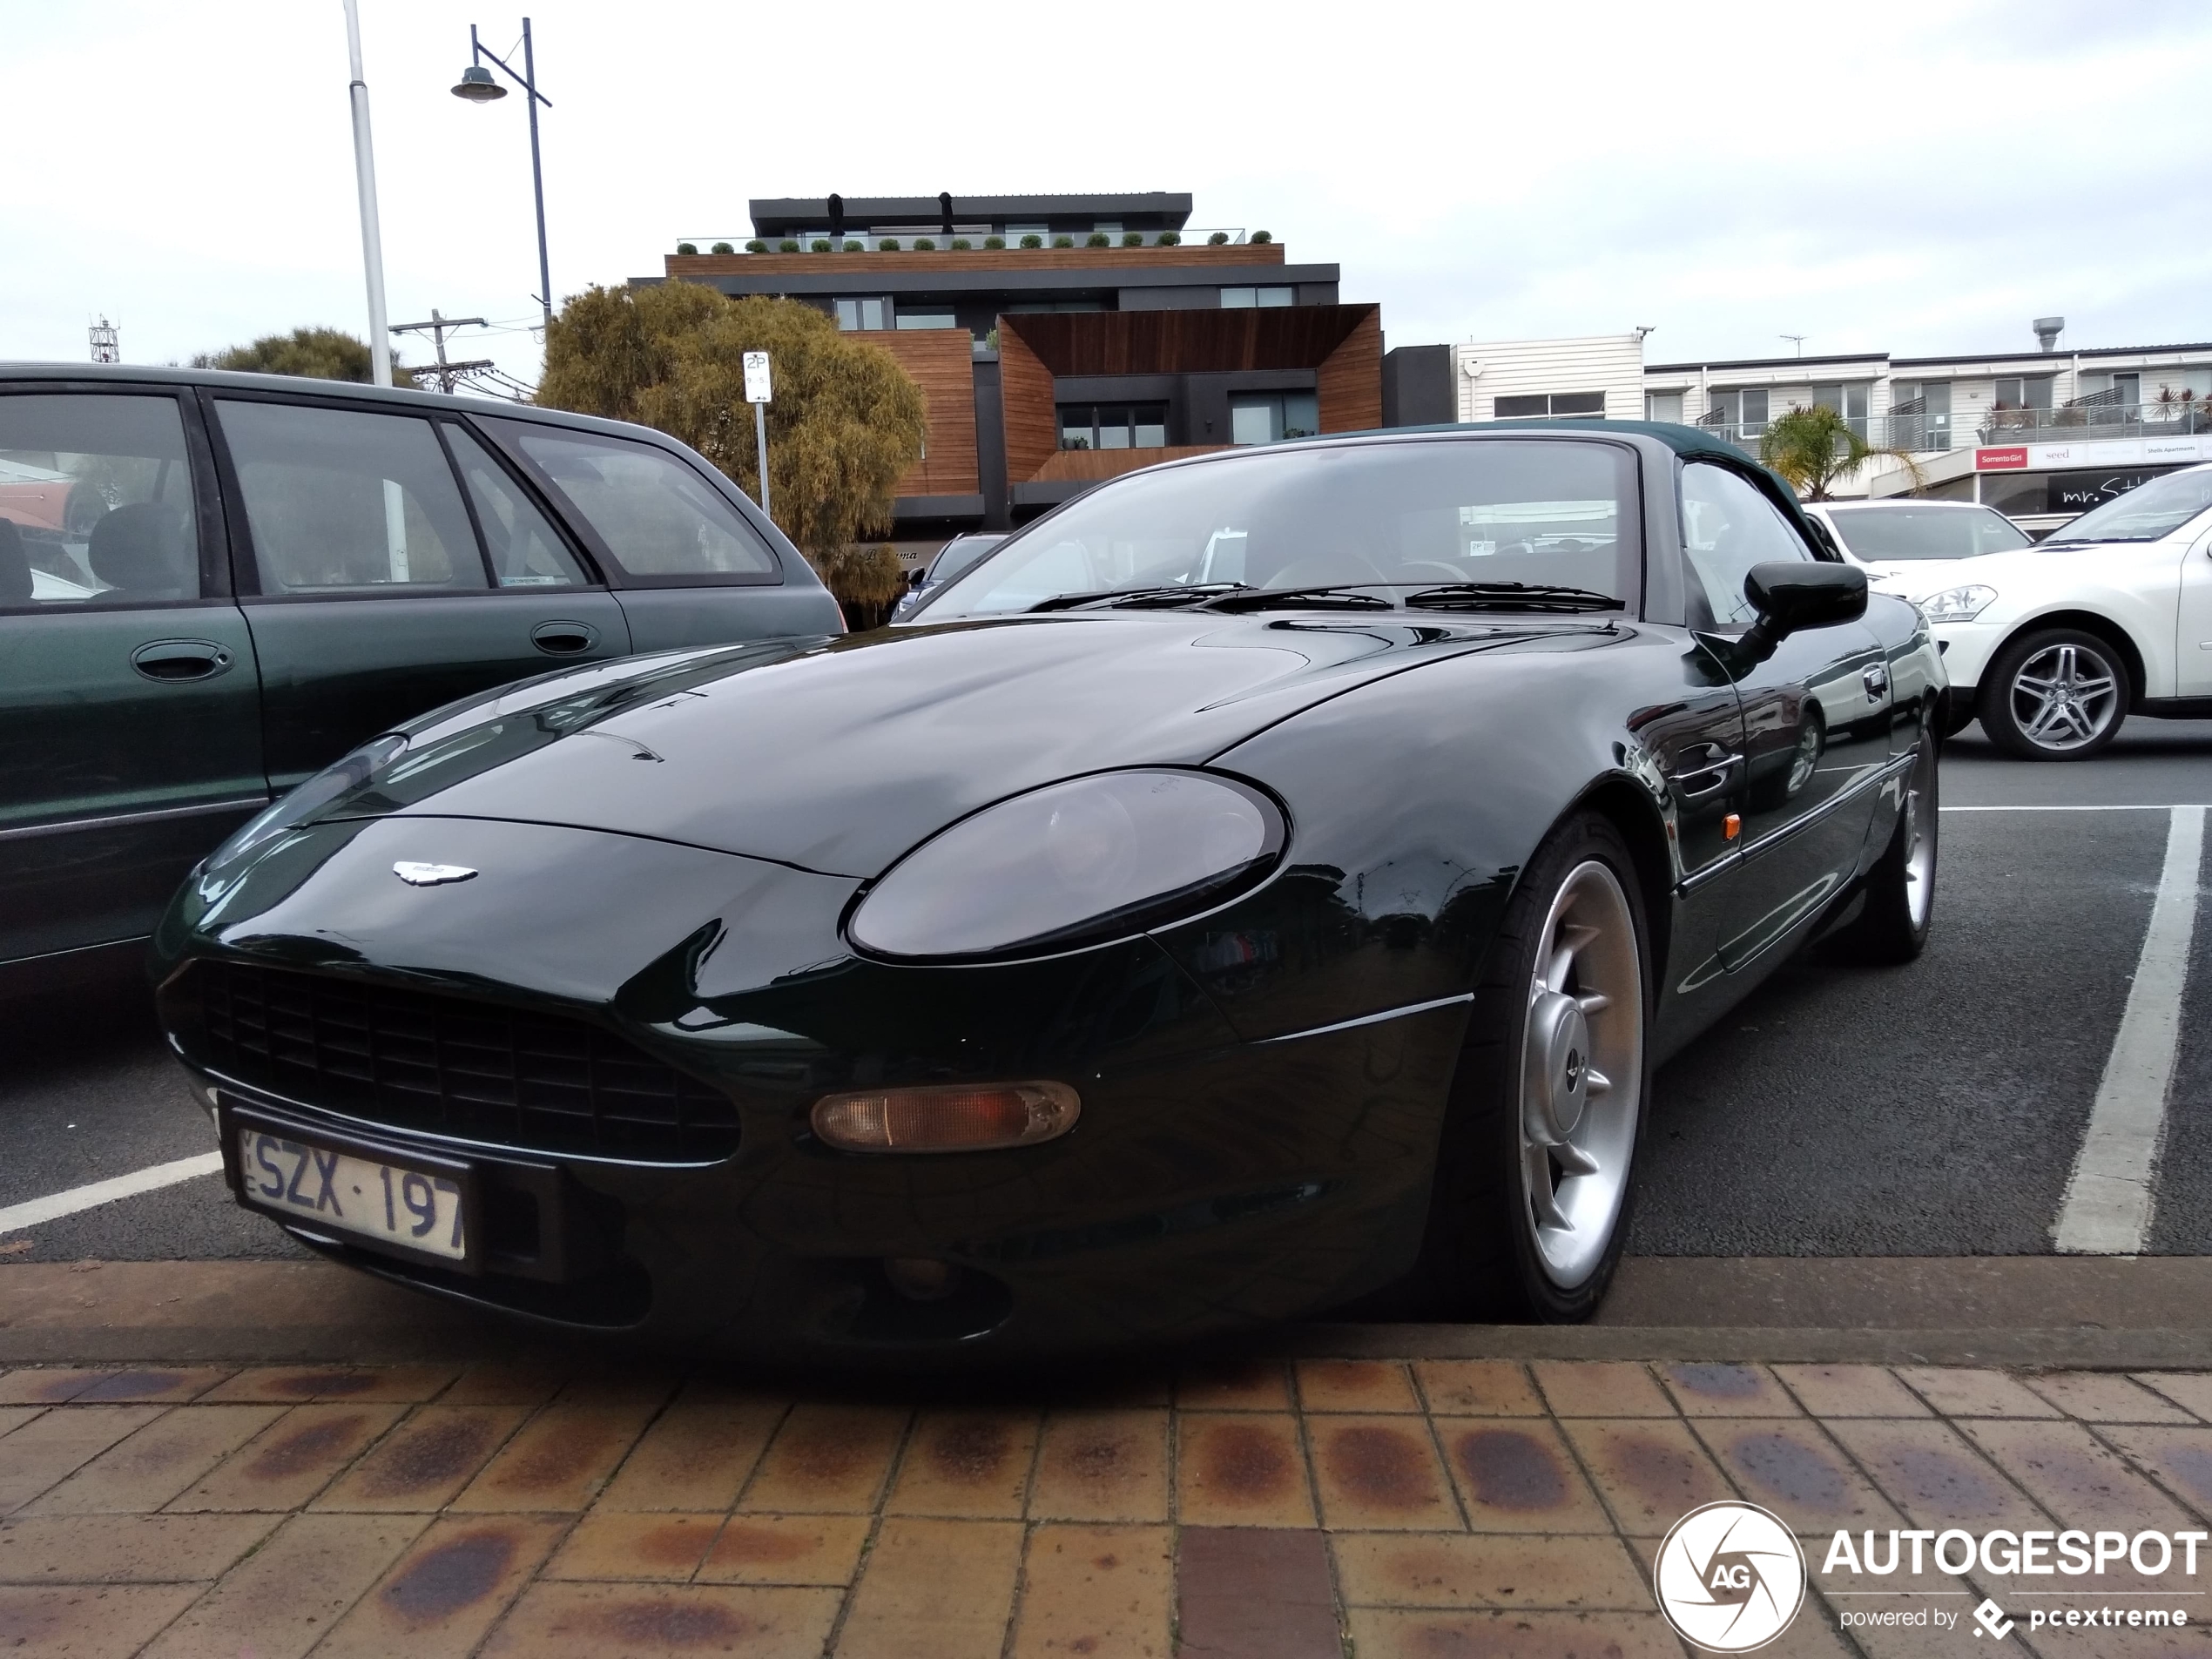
1321 1508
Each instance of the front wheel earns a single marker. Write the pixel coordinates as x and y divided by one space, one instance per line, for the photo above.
2057 695
1530 1207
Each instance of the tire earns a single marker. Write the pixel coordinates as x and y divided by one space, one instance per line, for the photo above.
1892 926
1540 1065
1958 714
2059 694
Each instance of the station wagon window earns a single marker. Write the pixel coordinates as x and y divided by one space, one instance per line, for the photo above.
525 551
1727 527
342 502
1416 514
662 522
95 502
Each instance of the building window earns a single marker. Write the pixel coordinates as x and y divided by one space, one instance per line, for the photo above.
1850 401
1245 299
1743 413
1662 406
863 314
1113 426
927 317
1549 406
1267 417
1921 418
2025 391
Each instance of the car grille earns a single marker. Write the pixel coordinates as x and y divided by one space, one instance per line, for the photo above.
444 1064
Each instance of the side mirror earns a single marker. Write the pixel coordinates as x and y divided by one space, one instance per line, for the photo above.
916 576
1790 596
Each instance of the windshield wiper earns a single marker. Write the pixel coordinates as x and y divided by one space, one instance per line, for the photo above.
1138 598
1342 597
1512 596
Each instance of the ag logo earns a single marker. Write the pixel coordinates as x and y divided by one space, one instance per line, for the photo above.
1729 1577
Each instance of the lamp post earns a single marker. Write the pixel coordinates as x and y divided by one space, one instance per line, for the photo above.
380 345
477 86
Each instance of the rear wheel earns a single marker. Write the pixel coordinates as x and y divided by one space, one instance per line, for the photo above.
2057 695
1892 926
1532 1189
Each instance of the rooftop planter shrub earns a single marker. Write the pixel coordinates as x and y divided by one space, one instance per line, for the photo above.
789 244
756 246
724 247
1098 238
888 245
1064 241
925 244
1217 239
1033 240
1132 239
821 245
961 245
995 241
1259 237
1169 238
854 247
687 247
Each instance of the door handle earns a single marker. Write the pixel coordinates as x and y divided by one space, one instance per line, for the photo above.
563 639
1709 779
1877 681
181 659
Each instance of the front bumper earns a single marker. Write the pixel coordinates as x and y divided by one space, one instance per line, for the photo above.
1967 647
1214 1179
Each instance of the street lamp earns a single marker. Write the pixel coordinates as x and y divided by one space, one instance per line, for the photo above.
477 86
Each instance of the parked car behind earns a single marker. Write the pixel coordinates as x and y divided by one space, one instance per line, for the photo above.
953 559
2052 644
212 585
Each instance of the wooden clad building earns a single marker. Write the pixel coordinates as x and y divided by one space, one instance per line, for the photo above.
1121 336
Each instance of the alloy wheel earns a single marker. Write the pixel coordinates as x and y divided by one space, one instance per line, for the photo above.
1581 1072
2065 696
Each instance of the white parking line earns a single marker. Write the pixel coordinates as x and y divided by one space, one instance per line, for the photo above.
2107 1206
2099 807
55 1205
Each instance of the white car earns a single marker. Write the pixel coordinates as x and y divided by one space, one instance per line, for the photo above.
2052 644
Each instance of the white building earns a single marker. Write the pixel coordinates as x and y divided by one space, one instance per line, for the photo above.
2042 435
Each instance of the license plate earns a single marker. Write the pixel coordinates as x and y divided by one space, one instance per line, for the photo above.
416 1208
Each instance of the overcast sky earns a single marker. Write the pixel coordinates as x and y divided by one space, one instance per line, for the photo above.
1917 177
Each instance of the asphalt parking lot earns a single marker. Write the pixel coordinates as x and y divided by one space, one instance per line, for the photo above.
1930 1110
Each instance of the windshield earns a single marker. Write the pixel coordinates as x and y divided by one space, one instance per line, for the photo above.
2147 512
1927 532
1545 512
961 555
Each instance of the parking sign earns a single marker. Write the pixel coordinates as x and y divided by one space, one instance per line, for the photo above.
756 378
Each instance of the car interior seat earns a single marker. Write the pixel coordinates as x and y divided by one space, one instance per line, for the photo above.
15 566
142 553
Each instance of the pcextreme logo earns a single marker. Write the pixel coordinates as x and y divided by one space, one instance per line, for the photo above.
1729 1577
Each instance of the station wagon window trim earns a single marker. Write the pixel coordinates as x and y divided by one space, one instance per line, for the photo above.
246 572
216 586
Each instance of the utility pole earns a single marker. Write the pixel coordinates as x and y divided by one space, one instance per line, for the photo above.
446 372
105 348
380 347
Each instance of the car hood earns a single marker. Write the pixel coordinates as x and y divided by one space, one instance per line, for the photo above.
836 756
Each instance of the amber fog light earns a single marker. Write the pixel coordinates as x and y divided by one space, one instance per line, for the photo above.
946 1118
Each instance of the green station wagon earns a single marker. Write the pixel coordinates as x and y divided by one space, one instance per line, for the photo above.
212 585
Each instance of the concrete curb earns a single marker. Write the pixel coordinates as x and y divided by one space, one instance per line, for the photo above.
2103 1312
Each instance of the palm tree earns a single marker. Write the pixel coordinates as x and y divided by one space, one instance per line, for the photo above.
1815 447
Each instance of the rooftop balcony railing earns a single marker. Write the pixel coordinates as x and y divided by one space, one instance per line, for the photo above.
909 239
2090 420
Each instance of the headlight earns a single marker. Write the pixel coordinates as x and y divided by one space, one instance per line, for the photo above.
1957 604
306 799
1096 858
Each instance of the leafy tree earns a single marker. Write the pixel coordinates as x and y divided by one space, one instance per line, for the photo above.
316 354
845 423
1815 447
